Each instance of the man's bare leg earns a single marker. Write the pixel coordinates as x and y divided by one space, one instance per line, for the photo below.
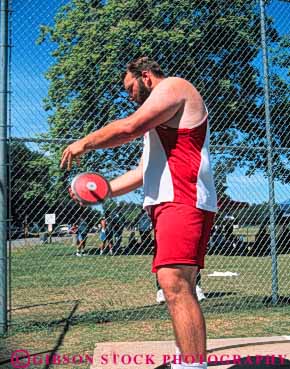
178 284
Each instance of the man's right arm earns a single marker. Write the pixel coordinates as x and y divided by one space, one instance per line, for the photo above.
128 182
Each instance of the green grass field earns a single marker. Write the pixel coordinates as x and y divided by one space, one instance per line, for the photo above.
113 298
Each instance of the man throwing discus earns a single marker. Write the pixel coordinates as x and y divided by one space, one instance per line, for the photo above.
179 192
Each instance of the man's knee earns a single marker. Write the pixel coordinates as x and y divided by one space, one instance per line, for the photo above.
176 281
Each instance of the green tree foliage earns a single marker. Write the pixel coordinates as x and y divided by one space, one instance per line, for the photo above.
35 190
126 212
253 215
214 44
28 193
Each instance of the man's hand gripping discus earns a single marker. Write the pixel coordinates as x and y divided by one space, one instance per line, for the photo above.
89 188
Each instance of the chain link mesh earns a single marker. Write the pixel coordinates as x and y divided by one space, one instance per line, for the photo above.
66 62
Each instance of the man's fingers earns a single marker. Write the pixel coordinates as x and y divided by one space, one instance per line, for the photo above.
71 192
69 161
64 158
68 157
73 196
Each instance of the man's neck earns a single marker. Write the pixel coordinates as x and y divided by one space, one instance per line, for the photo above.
156 81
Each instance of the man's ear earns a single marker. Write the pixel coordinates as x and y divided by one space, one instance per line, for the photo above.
146 76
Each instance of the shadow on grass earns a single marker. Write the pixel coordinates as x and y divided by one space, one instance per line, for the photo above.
100 317
214 304
224 302
285 300
24 354
59 342
46 304
218 294
264 300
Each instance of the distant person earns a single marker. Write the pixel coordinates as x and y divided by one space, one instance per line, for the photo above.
26 229
117 224
133 244
105 237
145 227
82 234
73 231
25 225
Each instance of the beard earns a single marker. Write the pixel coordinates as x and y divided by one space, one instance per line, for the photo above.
143 92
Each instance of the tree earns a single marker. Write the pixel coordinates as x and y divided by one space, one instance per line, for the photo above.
29 184
214 44
127 212
34 192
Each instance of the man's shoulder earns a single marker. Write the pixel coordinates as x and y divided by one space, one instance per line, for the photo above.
173 81
171 87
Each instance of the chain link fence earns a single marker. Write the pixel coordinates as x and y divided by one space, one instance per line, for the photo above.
65 68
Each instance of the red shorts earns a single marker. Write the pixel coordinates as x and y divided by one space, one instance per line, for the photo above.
181 234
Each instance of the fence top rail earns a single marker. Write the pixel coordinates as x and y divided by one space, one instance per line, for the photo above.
213 147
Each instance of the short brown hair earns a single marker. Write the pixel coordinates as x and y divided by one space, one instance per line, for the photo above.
137 66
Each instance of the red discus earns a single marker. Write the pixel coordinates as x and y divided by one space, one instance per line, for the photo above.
90 188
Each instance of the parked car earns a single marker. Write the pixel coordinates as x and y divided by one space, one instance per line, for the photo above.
61 230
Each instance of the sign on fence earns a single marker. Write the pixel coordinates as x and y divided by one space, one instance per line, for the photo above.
49 218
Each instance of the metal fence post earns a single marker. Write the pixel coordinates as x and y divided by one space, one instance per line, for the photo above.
3 164
269 156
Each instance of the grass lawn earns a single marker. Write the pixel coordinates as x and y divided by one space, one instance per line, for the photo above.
113 299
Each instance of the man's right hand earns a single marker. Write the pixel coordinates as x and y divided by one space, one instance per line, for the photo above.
73 196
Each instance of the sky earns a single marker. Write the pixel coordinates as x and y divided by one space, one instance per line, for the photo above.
29 87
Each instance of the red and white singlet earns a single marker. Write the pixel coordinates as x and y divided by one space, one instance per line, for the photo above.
177 168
